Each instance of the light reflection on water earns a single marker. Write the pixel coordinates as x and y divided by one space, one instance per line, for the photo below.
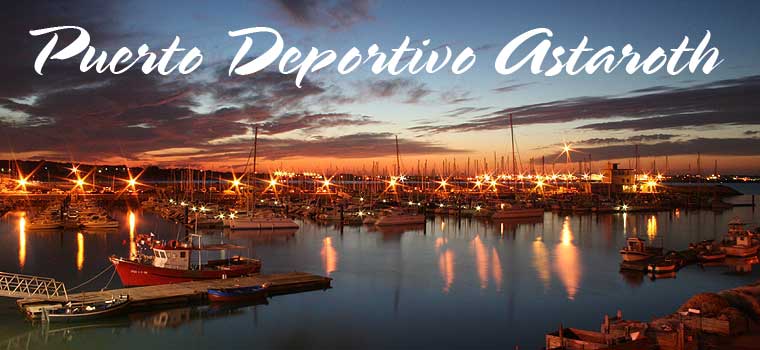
455 276
567 262
80 251
329 256
21 242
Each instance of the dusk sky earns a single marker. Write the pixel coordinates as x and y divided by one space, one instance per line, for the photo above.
205 119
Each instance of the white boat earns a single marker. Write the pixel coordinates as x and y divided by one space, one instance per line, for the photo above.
44 224
739 242
260 223
97 221
399 218
636 250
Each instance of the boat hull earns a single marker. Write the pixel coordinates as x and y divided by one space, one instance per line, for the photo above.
134 274
631 256
518 213
261 224
400 220
740 251
88 316
236 294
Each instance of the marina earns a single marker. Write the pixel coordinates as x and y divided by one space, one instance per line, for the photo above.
188 292
567 257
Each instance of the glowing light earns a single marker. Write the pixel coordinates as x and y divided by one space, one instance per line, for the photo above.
540 185
22 242
80 251
625 207
442 184
132 182
496 271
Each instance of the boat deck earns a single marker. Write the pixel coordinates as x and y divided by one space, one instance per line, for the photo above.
282 283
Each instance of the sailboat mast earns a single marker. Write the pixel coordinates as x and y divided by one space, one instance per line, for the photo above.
255 149
398 159
512 131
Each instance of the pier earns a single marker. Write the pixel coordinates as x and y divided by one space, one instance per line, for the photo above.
194 291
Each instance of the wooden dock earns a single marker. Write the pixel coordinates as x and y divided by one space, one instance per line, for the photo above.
283 283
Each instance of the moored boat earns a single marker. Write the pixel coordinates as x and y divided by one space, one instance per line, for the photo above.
399 218
74 311
517 213
740 242
636 250
172 264
238 294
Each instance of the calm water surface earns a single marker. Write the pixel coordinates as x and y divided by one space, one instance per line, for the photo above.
453 284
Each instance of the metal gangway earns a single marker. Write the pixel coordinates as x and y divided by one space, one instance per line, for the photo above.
13 285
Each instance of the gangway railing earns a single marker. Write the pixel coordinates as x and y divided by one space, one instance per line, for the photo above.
13 285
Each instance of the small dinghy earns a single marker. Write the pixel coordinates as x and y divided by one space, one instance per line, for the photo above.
73 311
237 294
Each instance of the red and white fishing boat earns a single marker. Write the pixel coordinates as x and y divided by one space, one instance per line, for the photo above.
171 263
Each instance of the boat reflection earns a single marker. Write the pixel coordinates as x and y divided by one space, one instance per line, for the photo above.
567 263
21 242
445 262
261 236
329 256
741 265
632 278
56 335
397 229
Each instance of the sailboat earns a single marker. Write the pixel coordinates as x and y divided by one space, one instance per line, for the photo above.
398 216
258 221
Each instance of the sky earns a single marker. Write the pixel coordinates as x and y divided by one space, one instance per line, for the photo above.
205 119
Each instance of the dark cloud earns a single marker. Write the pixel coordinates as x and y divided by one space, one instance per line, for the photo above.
657 88
308 122
735 101
458 112
512 87
629 140
335 14
752 132
362 145
410 91
456 96
20 48
705 146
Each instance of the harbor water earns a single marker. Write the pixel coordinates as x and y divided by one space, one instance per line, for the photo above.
454 283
